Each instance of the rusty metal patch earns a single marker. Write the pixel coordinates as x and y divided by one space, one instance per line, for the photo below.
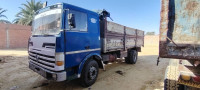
180 29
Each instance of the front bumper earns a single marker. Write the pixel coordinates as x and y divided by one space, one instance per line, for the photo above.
57 76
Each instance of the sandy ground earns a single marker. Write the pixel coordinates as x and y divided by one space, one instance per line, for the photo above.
144 75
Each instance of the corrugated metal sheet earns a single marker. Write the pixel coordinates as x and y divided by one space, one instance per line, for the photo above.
180 29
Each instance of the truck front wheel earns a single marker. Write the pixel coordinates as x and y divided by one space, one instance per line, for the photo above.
132 57
89 73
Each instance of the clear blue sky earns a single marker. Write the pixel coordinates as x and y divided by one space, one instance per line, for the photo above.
139 14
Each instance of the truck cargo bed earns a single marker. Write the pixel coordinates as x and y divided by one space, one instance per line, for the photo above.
180 29
118 37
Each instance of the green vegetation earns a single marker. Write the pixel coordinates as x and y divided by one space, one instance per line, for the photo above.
150 33
25 16
1 13
3 16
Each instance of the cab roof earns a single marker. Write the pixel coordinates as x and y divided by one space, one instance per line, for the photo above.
67 6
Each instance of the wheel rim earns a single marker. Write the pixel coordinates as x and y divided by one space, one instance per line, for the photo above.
92 73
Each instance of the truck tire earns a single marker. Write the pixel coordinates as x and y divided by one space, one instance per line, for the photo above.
174 86
89 73
132 57
171 81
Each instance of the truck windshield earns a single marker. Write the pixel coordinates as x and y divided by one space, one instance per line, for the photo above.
47 23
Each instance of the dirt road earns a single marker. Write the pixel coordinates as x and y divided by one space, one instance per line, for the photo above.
144 75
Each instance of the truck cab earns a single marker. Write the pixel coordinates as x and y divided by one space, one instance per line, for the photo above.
63 36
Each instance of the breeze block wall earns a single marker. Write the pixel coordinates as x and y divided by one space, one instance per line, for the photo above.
151 40
14 36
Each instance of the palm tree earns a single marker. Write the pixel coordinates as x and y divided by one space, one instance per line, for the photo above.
3 16
25 16
1 13
5 21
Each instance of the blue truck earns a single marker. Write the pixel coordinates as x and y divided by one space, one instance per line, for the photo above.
69 42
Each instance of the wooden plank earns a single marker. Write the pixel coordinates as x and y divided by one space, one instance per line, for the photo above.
114 43
130 42
140 38
116 37
140 33
115 28
130 31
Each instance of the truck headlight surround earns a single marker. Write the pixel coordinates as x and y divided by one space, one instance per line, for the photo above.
60 59
186 76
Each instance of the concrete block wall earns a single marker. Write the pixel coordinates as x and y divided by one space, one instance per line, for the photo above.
14 36
151 40
2 36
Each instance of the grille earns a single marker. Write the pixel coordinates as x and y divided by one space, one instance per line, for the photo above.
42 60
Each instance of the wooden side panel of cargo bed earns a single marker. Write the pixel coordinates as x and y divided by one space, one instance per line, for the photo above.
130 38
116 37
112 36
115 28
113 43
133 38
140 38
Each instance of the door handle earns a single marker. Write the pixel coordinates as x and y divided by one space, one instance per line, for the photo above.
87 47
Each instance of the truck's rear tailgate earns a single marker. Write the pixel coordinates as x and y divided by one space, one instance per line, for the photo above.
180 29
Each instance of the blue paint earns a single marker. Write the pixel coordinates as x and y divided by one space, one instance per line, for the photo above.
85 59
187 21
77 45
60 42
78 40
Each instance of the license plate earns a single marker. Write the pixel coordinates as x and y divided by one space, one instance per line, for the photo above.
38 70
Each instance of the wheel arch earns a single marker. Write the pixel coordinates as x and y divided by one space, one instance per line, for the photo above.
94 56
138 49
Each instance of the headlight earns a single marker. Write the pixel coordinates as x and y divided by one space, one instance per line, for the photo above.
186 76
60 59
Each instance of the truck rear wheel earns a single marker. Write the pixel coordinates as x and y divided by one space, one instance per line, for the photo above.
171 85
132 57
89 73
171 78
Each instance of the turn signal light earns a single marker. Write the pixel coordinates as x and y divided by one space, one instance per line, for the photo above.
185 77
59 63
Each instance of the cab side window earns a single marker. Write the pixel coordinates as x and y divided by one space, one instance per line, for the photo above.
77 21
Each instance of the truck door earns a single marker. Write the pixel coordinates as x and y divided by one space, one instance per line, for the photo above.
80 41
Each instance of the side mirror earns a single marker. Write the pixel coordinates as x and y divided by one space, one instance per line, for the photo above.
71 20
